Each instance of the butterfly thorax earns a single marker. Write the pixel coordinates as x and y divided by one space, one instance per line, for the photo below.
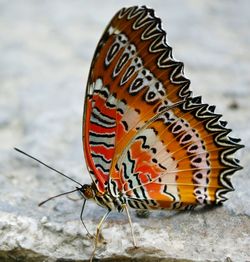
105 199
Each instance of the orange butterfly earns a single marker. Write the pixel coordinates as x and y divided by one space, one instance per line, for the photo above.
148 143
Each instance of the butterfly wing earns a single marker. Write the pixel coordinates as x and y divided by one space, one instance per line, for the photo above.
179 159
126 87
144 135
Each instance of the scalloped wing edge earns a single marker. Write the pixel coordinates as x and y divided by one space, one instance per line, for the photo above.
159 45
229 144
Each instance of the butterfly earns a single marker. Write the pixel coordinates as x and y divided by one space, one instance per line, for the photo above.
148 143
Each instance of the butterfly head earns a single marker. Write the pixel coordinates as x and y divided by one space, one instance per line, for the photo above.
87 191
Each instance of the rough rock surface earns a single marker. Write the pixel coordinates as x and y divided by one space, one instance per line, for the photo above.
46 49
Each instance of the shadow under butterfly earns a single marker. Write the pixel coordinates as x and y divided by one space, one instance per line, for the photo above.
148 143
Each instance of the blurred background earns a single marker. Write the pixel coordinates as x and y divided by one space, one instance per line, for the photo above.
46 49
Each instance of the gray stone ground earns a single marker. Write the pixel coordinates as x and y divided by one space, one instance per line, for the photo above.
46 49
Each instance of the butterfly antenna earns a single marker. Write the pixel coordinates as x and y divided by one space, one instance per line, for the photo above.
65 193
39 161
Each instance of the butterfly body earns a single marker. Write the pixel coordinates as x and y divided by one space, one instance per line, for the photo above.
105 199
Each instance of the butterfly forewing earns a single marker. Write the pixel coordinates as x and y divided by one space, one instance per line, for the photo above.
144 135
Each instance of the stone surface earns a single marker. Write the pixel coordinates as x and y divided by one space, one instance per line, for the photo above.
46 49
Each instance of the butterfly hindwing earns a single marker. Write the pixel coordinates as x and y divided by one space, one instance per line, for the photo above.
182 158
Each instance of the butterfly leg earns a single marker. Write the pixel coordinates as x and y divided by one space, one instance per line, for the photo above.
131 225
98 229
81 217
